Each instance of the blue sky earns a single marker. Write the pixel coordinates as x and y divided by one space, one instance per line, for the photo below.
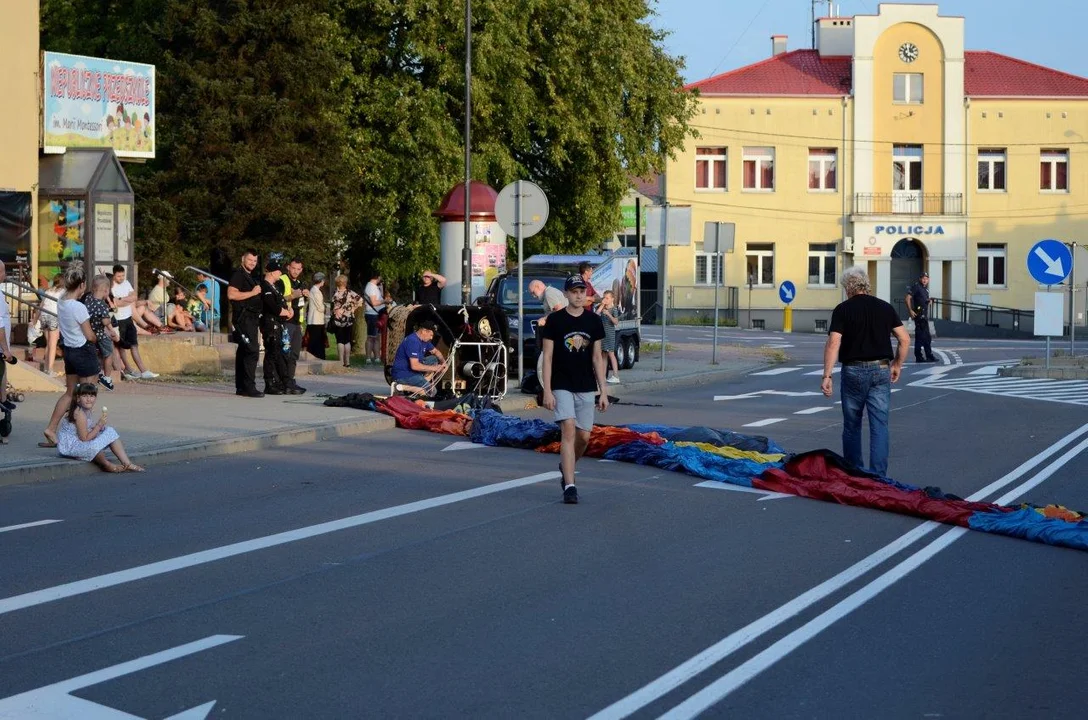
719 35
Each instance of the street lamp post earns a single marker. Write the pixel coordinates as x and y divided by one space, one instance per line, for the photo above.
466 252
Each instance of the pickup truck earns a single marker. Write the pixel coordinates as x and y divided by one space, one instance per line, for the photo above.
618 273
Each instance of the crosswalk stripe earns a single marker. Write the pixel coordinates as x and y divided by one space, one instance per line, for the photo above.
821 372
778 371
764 423
814 410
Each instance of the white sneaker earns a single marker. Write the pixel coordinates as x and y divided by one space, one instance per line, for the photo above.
613 380
130 375
147 375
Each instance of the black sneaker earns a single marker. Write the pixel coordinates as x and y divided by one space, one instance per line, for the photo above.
570 495
273 390
105 381
8 405
295 391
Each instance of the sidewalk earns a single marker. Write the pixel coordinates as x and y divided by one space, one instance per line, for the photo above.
171 420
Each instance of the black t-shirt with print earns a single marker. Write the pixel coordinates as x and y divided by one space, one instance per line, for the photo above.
429 294
572 354
866 324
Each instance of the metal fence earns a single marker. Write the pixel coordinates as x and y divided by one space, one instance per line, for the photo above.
914 203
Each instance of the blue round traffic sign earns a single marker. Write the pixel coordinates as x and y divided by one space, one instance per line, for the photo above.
1049 261
787 292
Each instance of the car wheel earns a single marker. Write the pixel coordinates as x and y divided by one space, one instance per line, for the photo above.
621 355
629 353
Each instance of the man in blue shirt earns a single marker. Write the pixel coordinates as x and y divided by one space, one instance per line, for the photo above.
417 360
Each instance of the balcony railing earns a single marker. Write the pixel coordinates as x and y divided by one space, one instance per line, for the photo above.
908 203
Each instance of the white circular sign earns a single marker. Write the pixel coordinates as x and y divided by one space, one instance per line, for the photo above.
534 208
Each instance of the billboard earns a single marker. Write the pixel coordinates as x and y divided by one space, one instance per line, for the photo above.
93 102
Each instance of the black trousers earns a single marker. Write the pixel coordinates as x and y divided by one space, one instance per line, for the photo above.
922 339
245 359
318 338
275 359
295 331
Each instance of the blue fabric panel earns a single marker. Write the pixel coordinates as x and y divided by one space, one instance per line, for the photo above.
1030 525
690 460
719 438
493 428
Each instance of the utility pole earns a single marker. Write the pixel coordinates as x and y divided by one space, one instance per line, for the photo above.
466 252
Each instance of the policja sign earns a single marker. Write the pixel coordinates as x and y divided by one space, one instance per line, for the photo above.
521 210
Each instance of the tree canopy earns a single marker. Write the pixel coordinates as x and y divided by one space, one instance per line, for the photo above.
316 127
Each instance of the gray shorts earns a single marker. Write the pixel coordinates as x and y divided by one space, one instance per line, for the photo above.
105 346
579 406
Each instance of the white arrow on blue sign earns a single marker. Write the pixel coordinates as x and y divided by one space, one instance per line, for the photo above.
1049 261
787 292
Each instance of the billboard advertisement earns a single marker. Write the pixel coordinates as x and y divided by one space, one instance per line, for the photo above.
93 102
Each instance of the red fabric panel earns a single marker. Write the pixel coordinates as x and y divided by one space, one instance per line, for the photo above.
603 438
410 415
811 475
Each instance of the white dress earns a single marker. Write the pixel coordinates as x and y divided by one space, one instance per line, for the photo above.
69 445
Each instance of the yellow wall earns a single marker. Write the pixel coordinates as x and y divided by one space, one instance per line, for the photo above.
904 123
791 216
19 87
1023 214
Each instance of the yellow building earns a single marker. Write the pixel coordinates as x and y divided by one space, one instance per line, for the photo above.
889 146
20 86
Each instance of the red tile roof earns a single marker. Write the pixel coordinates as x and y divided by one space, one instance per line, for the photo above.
804 72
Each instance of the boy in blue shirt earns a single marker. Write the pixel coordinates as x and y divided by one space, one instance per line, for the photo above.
417 360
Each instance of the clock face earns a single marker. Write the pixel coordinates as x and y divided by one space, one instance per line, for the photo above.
908 52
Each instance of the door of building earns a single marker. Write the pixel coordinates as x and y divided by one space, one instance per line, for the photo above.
907 179
908 261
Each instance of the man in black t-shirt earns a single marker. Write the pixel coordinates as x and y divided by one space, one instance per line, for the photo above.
430 292
275 313
860 338
574 368
244 293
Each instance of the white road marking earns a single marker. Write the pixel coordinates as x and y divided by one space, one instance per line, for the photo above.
757 393
36 523
778 371
764 423
945 360
767 494
725 685
463 445
820 372
120 577
736 397
814 410
735 641
55 701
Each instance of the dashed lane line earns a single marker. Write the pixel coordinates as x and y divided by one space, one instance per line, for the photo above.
36 523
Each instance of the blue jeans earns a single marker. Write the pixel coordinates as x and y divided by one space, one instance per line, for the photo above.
866 387
418 379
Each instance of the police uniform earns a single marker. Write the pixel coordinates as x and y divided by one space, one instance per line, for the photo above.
294 329
919 303
245 316
272 328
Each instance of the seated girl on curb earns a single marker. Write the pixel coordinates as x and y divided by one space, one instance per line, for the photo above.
80 440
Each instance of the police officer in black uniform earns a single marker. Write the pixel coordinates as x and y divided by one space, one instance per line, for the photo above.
244 293
274 313
918 301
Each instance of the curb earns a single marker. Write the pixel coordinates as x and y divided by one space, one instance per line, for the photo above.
60 469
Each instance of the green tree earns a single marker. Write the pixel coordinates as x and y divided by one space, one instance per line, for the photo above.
576 95
253 142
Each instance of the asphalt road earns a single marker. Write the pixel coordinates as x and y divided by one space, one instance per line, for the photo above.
391 576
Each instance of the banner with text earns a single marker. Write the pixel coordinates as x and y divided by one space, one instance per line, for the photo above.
93 102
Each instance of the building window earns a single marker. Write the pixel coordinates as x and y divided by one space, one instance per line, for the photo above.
710 164
991 169
1054 170
705 271
907 88
821 168
759 168
991 265
821 264
759 258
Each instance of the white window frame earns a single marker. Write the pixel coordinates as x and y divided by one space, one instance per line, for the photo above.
1054 157
712 159
706 275
991 157
761 156
763 257
913 89
826 160
986 253
824 252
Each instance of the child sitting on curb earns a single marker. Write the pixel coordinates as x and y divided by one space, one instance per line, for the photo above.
80 440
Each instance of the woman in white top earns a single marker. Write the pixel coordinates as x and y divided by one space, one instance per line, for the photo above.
47 321
316 331
77 337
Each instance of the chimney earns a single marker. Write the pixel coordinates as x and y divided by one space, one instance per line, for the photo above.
778 44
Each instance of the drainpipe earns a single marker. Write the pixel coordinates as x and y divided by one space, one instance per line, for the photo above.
842 172
967 193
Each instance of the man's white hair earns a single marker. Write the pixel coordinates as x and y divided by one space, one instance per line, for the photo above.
855 280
